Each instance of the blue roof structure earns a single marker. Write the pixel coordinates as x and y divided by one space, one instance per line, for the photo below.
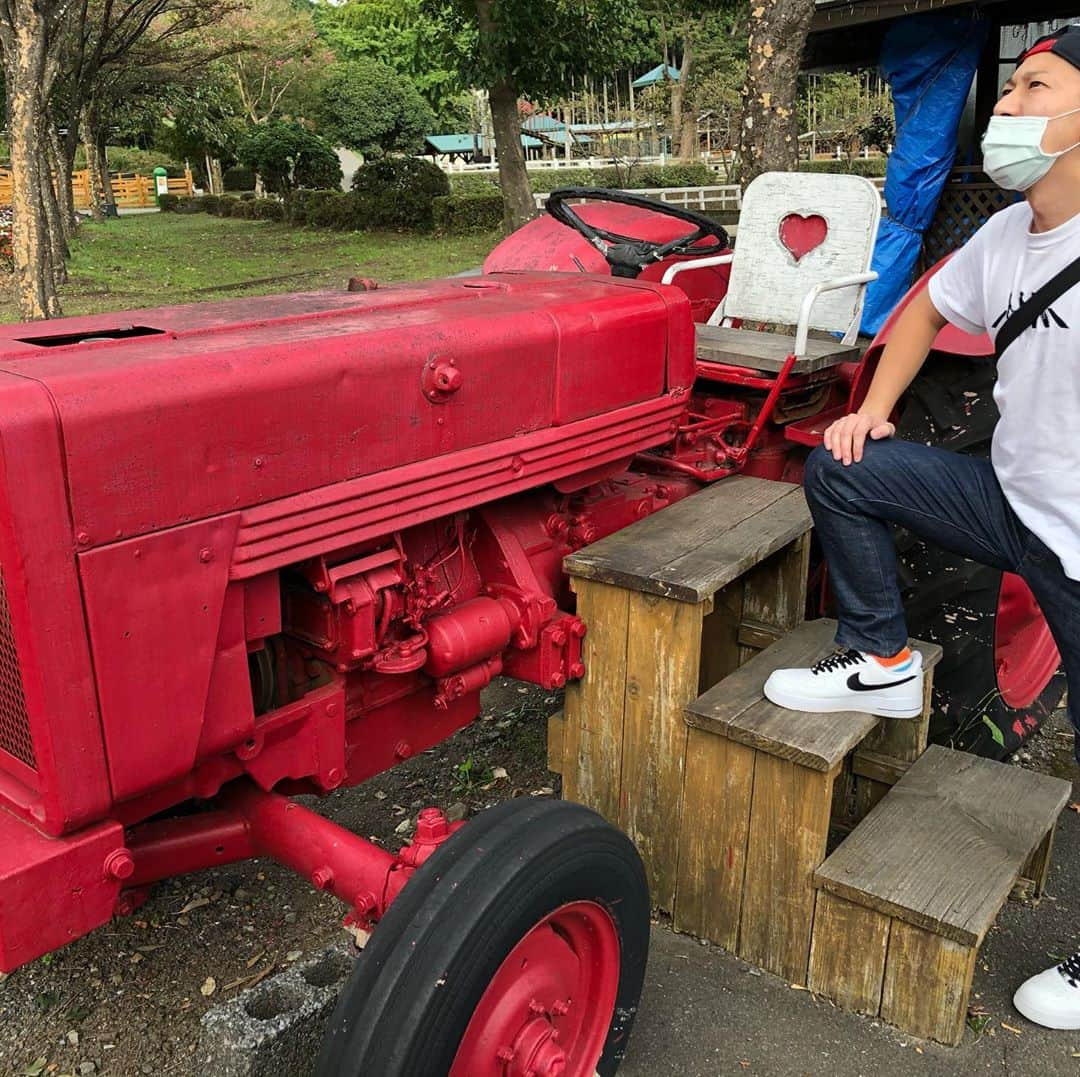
543 124
470 143
651 78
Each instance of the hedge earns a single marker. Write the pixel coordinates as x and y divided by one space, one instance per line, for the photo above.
399 192
465 214
858 166
239 179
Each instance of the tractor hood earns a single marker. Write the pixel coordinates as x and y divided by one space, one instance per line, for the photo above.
184 413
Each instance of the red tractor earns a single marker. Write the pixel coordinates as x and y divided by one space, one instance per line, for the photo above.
271 547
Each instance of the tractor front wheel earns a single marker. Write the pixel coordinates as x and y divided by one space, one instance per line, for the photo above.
519 948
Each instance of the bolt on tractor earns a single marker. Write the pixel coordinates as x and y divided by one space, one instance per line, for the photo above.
274 546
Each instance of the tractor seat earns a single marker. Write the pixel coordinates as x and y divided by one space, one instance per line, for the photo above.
768 351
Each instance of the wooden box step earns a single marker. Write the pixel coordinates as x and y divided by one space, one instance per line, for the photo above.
905 902
768 351
699 545
672 604
758 804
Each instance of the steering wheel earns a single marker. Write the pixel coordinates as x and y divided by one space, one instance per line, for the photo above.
626 255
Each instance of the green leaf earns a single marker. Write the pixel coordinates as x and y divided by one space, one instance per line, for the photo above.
994 731
35 1068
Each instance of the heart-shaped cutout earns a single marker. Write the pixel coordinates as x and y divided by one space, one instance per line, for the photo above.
800 235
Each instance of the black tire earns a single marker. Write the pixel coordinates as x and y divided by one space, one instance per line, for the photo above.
950 600
413 992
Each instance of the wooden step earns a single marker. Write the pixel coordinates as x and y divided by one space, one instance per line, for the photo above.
737 709
907 899
672 604
759 801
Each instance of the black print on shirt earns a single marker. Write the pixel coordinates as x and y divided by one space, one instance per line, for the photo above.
1048 318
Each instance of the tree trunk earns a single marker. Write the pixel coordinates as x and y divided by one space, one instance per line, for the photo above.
50 206
216 177
687 143
25 61
519 206
69 147
61 169
94 180
103 172
768 139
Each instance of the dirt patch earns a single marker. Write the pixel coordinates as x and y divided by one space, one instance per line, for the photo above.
127 999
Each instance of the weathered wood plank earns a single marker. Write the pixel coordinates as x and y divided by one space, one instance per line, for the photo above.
847 954
724 702
1031 885
698 545
714 832
789 826
775 596
767 351
927 983
734 550
882 768
906 739
663 655
720 636
593 736
556 740
944 848
737 709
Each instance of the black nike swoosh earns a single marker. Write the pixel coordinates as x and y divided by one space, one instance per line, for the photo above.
857 685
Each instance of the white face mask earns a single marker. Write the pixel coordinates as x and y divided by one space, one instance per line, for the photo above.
1013 156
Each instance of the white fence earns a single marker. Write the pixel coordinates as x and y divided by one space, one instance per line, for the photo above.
703 199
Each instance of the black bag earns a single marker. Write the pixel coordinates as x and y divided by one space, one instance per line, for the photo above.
1029 312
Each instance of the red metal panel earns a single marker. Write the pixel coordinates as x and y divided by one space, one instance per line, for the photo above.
68 785
154 610
191 424
52 890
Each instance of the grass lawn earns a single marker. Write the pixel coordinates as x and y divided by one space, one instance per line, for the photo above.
157 259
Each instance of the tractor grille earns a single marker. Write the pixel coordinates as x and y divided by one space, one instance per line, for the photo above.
14 723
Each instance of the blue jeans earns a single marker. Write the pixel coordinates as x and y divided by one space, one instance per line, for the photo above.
950 500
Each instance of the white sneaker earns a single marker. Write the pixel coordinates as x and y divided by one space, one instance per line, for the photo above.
1052 999
851 681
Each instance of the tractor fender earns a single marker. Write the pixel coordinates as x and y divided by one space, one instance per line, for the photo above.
950 341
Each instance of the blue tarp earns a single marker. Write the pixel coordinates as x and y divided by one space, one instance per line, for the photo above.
929 62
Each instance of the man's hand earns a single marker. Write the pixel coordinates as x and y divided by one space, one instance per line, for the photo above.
846 437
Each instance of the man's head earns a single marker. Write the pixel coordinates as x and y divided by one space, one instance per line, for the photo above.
1046 82
1032 143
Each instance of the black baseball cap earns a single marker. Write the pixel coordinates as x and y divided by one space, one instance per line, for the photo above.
1063 42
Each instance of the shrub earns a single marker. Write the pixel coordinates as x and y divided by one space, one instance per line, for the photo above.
400 192
168 203
239 179
465 214
287 155
244 210
342 211
210 203
247 196
268 209
227 203
473 183
858 166
190 204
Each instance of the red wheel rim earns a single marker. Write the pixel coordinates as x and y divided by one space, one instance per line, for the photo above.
1025 655
548 1008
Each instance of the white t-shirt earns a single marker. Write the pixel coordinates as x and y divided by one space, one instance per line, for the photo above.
1035 450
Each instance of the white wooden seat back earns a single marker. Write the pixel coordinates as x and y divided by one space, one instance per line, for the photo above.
803 254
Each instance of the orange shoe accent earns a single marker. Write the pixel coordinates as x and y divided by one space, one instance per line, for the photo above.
896 660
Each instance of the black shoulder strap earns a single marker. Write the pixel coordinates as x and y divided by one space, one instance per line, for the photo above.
1028 313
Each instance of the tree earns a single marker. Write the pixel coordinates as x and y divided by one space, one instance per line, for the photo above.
533 49
30 36
373 110
401 34
287 155
769 133
277 58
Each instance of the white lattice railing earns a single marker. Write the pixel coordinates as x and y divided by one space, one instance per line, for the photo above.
702 199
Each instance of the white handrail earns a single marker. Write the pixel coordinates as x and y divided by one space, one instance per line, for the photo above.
697 263
803 329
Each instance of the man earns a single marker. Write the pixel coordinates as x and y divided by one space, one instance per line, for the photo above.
1020 511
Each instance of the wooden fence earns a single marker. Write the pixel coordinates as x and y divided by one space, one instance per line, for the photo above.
130 189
